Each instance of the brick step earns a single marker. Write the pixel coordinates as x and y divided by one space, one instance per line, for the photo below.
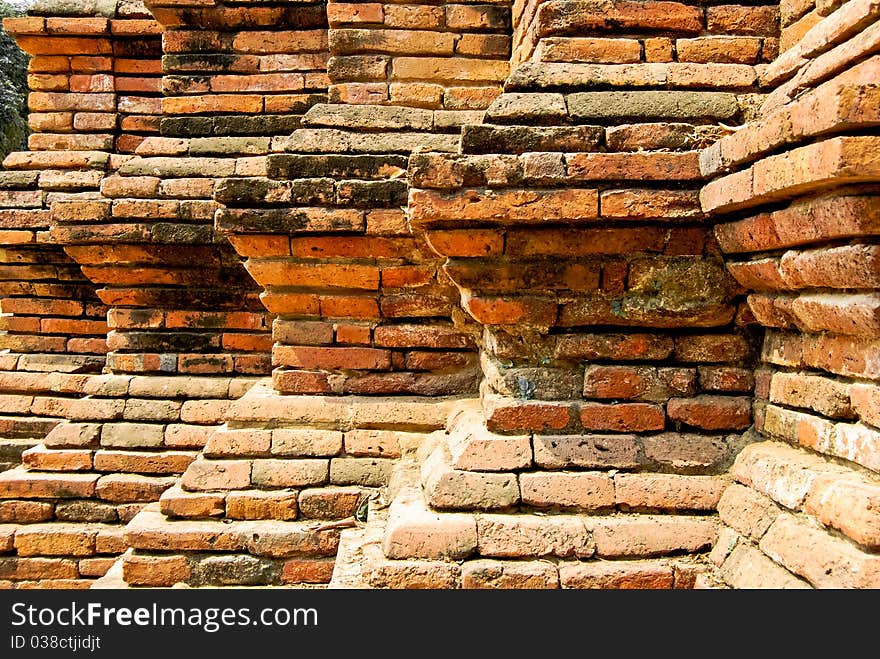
490 483
211 552
779 478
61 571
69 542
287 504
561 108
410 545
340 140
681 76
128 435
845 103
816 167
503 572
262 406
118 488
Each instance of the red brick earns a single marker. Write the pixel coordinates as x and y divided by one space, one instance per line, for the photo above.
305 570
24 512
554 17
508 205
512 310
582 491
740 50
622 417
648 535
822 559
583 242
324 275
712 412
659 49
513 415
849 266
711 348
849 505
55 540
20 569
736 19
586 49
645 383
653 166
866 402
471 242
331 358
217 475
722 378
155 571
41 459
516 575
617 575
274 504
289 473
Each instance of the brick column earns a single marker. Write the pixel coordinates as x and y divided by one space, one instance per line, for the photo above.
361 306
794 192
370 346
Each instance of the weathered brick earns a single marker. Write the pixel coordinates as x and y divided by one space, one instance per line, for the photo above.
274 504
617 575
582 491
217 475
668 491
590 450
132 487
55 540
176 502
823 560
848 504
370 472
289 473
518 575
710 412
622 417
641 383
523 536
414 531
749 568
156 571
648 535
821 394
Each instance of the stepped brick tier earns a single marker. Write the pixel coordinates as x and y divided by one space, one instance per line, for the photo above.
544 294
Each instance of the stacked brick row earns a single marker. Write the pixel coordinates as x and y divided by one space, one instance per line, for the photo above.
799 224
657 32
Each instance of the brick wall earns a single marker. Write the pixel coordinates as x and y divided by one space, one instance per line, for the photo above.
557 294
